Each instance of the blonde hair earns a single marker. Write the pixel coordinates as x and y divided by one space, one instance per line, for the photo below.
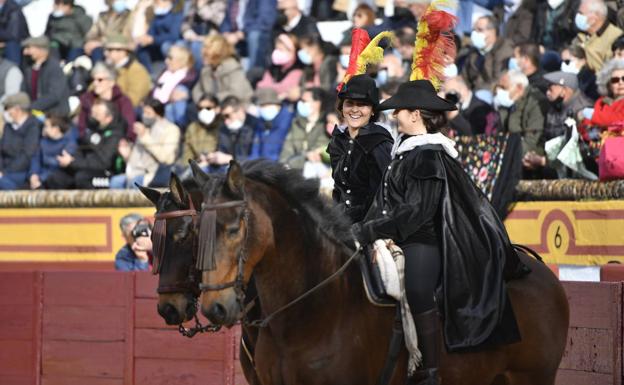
218 44
185 54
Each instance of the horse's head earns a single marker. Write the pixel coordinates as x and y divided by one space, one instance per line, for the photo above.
224 245
174 246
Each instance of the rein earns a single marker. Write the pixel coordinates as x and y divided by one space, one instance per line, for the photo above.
158 237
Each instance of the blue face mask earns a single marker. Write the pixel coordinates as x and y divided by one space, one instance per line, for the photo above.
304 57
304 109
513 65
344 61
119 6
268 113
581 22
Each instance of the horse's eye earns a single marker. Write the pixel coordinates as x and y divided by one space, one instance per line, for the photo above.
233 231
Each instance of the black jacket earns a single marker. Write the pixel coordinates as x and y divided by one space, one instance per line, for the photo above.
17 147
13 25
425 187
357 167
474 119
98 149
562 30
52 89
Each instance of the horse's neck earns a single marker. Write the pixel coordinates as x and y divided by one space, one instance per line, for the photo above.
294 262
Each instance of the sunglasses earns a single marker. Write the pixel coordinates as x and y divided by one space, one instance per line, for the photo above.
617 79
113 49
100 79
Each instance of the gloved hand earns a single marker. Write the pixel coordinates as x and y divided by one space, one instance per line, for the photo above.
357 234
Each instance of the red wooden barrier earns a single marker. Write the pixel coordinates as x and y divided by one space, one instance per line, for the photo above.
593 355
102 328
612 272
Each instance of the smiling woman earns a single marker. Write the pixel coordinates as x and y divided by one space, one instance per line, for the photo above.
360 150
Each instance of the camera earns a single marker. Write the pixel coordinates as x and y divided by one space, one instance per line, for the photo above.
141 229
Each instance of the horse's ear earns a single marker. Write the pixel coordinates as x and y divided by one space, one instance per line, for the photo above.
235 179
200 176
177 190
150 193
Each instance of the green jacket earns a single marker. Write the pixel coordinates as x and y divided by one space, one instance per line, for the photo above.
69 30
299 142
527 117
200 139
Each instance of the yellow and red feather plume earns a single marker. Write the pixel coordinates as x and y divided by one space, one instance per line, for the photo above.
364 52
433 41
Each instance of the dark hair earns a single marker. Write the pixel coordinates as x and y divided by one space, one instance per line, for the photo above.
434 121
577 51
59 121
231 101
492 22
111 109
339 105
155 105
531 51
366 10
64 2
210 97
406 38
617 44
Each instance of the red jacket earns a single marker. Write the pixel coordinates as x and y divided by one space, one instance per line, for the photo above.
609 116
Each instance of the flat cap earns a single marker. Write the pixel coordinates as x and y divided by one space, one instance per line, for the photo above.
39 41
561 78
20 99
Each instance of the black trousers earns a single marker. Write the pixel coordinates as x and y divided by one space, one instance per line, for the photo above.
67 179
423 265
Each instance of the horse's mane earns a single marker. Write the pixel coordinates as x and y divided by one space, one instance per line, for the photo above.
304 194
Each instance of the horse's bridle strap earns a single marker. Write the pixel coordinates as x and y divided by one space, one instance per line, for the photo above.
224 205
176 214
209 287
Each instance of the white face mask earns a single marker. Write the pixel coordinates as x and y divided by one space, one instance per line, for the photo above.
503 99
268 113
7 117
570 67
206 116
451 71
344 61
478 39
235 125
554 4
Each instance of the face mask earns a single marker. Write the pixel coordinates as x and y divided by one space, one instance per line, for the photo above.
206 116
279 57
513 65
159 11
570 67
451 71
581 22
58 13
7 117
235 125
304 57
119 6
303 108
557 104
503 99
478 39
382 77
268 113
148 121
344 61
554 4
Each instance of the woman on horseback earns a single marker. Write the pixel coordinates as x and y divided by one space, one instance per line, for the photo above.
457 252
360 150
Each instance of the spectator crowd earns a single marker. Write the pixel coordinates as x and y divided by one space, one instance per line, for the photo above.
133 95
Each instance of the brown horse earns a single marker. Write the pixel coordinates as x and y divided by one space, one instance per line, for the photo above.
178 277
268 220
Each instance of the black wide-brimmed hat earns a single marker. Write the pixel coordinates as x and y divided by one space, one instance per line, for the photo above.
417 94
361 87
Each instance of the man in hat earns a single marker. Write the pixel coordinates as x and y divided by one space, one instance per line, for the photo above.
566 101
19 143
276 119
132 77
429 206
44 80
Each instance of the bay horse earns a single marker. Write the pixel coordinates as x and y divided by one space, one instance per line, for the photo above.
268 220
178 277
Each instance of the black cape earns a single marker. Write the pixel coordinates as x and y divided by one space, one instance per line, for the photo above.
476 251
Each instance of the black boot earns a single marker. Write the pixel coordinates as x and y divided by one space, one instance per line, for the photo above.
428 331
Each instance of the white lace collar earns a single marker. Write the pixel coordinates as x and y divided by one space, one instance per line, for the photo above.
421 140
